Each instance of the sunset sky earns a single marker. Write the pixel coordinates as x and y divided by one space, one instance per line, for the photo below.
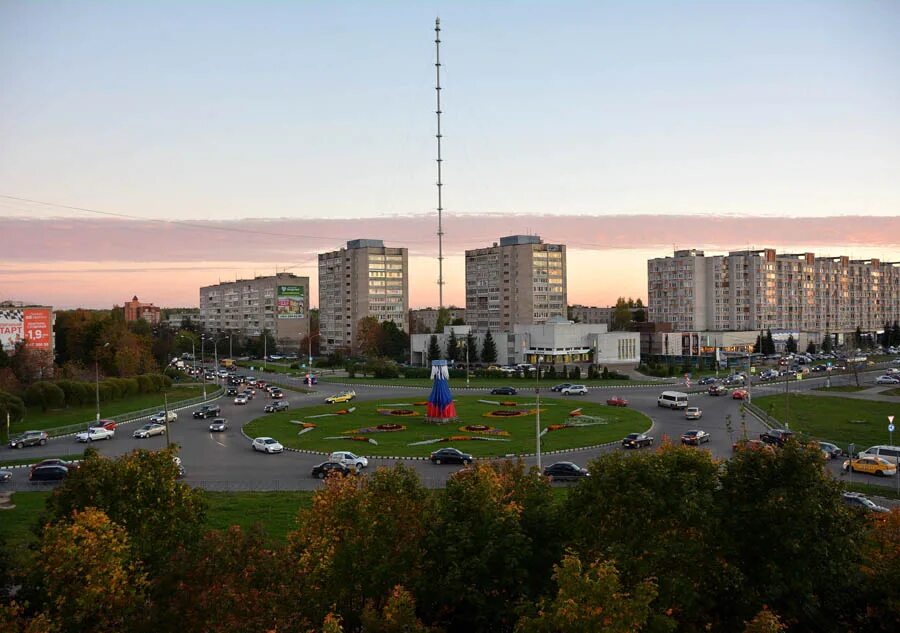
150 148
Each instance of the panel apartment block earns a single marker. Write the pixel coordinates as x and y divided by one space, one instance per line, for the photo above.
364 279
277 303
521 280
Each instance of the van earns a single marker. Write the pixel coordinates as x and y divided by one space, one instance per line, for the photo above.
673 400
890 453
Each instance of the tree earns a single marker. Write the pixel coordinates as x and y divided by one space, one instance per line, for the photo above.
398 615
827 343
895 334
765 622
811 348
488 349
858 337
881 571
11 405
472 347
758 346
791 344
434 350
621 315
452 347
443 320
393 342
769 345
369 336
591 599
458 321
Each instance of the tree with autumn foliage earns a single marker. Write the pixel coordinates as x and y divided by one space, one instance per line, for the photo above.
881 573
369 336
589 600
765 622
398 615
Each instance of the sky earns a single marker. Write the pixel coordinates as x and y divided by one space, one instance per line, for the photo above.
149 148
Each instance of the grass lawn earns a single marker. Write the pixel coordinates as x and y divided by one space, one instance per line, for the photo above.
872 490
521 384
891 392
843 388
838 420
276 511
37 420
275 368
16 524
606 424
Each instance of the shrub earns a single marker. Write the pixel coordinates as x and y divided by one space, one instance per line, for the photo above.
145 385
11 405
46 395
417 372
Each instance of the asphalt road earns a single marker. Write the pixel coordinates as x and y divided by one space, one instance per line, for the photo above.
225 461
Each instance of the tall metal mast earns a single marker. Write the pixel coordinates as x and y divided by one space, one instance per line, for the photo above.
440 208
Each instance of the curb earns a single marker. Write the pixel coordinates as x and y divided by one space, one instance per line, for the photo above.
590 387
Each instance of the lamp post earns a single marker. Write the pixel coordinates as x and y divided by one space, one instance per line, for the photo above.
464 343
202 367
537 418
97 374
309 339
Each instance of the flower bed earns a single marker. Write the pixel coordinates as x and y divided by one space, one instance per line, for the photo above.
381 428
482 428
505 413
403 413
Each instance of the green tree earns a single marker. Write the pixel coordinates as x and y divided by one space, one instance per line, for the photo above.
452 347
398 615
443 320
488 349
827 343
621 315
472 347
858 337
434 350
895 334
13 406
769 346
791 344
393 341
810 348
758 346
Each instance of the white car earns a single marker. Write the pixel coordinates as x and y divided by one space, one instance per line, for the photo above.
148 430
241 399
574 390
887 380
160 418
267 445
95 433
693 413
349 459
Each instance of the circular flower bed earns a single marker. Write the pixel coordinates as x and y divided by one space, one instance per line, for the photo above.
381 428
403 413
482 428
506 414
390 427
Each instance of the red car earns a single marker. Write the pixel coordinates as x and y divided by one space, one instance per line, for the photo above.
109 425
617 401
739 394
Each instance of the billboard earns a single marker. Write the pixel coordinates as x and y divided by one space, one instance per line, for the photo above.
31 324
290 302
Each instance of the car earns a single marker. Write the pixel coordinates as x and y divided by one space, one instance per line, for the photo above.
261 384
575 390
310 379
218 425
871 465
637 440
241 399
887 380
716 390
248 393
707 380
231 391
55 461
751 445
861 502
616 401
267 445
274 407
561 386
162 417
450 456
95 433
149 430
351 460
739 394
831 451
323 470
504 391
207 411
48 473
345 396
109 425
5 475
694 437
28 438
776 437
565 471
277 394
693 413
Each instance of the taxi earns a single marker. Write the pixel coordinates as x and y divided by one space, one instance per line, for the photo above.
346 396
871 465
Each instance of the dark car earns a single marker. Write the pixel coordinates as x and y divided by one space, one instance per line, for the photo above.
28 438
717 390
48 473
324 469
277 394
274 407
231 391
56 462
776 437
560 387
637 440
694 437
5 476
207 411
450 456
565 471
504 391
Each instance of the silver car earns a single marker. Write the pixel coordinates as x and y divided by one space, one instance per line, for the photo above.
149 430
218 425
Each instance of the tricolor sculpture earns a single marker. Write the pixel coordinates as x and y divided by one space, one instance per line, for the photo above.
441 409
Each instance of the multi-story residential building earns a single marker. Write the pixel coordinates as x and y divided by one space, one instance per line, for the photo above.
135 310
364 279
520 281
277 303
763 290
593 314
424 320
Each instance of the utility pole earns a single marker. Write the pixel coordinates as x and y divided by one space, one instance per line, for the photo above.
440 184
537 418
166 414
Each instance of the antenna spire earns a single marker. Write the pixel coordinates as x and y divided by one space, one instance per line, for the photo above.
440 184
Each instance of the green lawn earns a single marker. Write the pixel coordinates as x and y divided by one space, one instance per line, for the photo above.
37 420
842 388
276 511
275 368
838 420
872 490
611 424
521 384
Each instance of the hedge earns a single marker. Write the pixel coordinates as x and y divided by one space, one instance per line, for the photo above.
73 393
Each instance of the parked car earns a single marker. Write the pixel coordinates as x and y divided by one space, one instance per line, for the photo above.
575 390
218 425
321 471
28 438
831 451
95 433
560 387
267 445
694 437
160 418
565 471
504 391
739 394
346 396
616 401
5 475
207 411
450 456
717 390
887 380
274 407
349 459
860 501
149 430
109 425
871 465
637 440
776 437
241 399
693 413
48 473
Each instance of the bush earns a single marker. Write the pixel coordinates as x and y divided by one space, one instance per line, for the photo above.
417 372
576 372
46 395
295 366
145 384
11 405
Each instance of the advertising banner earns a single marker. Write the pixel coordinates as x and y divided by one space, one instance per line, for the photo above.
31 324
290 302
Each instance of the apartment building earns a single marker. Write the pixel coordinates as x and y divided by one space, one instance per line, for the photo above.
364 279
135 310
424 320
520 281
761 289
277 303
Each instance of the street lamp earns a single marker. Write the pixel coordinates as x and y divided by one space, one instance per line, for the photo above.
537 424
309 338
202 366
460 345
97 372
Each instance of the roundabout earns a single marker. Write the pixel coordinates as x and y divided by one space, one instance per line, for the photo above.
506 435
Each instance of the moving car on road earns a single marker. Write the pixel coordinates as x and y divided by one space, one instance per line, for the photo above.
887 380
693 413
831 451
95 433
28 438
55 461
348 459
450 456
672 400
694 437
776 437
717 390
321 471
207 411
241 399
637 440
860 501
560 387
109 425
218 425
162 417
149 430
345 396
871 465
565 471
739 394
575 390
48 473
267 445
504 391
616 401
274 407
5 475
